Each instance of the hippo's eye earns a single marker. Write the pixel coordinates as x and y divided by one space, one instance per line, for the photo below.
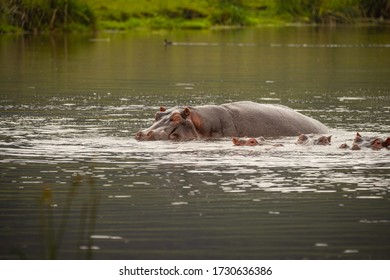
252 142
176 118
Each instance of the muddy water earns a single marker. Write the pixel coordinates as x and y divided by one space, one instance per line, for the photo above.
74 183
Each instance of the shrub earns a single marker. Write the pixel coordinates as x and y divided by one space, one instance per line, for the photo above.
376 9
40 15
230 13
326 11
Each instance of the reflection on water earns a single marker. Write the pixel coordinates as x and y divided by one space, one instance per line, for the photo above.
75 183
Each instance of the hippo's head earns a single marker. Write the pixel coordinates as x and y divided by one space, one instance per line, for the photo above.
323 140
248 142
303 139
376 144
173 124
371 142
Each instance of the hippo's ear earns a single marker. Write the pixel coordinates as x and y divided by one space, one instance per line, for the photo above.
386 143
329 138
186 112
162 109
302 137
358 137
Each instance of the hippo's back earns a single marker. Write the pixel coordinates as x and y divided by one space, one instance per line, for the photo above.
254 119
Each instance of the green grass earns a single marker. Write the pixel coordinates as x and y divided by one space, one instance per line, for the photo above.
182 14
83 15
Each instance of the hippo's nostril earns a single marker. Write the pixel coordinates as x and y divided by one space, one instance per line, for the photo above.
174 137
150 135
138 135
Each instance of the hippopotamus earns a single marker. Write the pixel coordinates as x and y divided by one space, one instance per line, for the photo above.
237 119
259 141
248 141
374 143
303 139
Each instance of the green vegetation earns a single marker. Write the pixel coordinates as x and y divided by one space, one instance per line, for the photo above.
333 11
75 15
45 15
187 14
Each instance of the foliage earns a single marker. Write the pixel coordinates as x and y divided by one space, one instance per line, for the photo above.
333 11
231 12
41 15
376 9
68 15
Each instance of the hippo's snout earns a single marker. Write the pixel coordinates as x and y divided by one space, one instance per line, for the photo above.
140 135
150 135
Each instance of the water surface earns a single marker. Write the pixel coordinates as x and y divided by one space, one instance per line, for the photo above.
74 182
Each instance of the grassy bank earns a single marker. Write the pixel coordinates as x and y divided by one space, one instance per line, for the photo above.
187 14
75 15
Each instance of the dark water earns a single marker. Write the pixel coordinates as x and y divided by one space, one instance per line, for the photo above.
75 184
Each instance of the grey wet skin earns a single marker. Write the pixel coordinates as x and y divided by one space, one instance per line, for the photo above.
238 119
